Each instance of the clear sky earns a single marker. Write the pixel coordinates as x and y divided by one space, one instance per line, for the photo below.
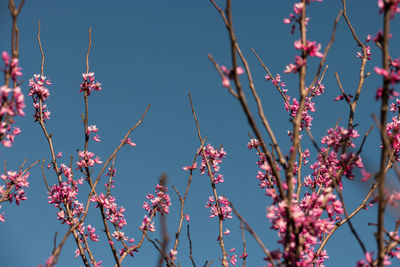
155 52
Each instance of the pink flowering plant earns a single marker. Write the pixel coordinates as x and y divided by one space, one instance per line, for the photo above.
12 103
306 210
304 186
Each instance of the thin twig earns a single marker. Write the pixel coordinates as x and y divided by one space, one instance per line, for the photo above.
190 247
41 50
244 245
255 236
270 75
163 223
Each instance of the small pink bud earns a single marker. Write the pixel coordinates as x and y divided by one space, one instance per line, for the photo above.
6 57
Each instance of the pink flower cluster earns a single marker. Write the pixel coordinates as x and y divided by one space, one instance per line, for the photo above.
369 260
393 6
315 215
159 203
88 84
11 67
265 176
192 167
93 129
89 232
86 159
254 143
224 205
111 174
233 257
299 62
147 225
214 158
294 107
277 82
329 165
65 193
393 132
310 48
14 106
40 93
394 72
228 75
340 137
12 101
9 135
13 190
348 97
119 236
294 18
367 48
379 37
115 214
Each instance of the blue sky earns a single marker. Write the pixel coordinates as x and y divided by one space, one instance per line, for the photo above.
155 52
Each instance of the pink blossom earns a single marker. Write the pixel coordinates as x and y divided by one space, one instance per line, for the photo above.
40 93
88 84
233 259
147 224
96 138
86 159
161 202
6 58
119 235
92 129
92 233
311 48
295 67
193 167
297 8
129 142
287 21
225 82
187 217
254 143
229 74
366 175
224 205
15 69
393 6
172 254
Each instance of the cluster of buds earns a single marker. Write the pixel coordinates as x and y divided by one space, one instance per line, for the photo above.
214 158
11 68
13 190
40 93
88 84
86 159
159 203
12 101
229 74
224 205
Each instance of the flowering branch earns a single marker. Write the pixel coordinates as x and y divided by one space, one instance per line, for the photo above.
235 48
183 199
217 203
